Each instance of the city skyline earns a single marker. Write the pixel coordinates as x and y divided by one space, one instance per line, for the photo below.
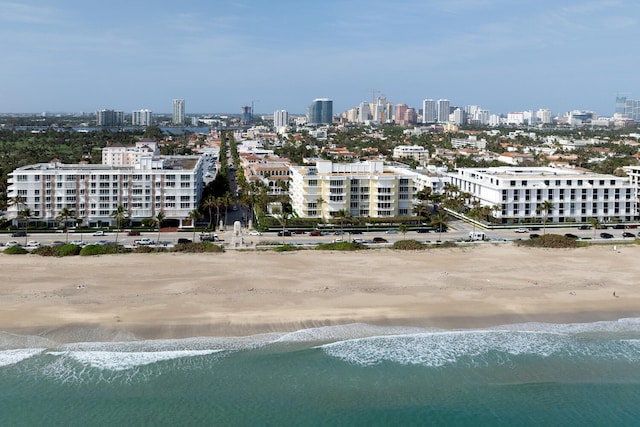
68 56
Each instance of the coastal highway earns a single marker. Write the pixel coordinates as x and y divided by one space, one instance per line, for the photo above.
458 230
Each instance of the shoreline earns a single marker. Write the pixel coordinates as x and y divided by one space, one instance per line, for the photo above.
174 296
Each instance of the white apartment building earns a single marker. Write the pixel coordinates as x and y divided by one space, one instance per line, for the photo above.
366 189
178 115
443 110
428 111
415 152
280 119
172 185
141 118
576 195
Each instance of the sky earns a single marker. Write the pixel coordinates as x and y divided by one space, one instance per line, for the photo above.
503 55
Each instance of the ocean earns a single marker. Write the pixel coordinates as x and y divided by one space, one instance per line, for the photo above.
530 374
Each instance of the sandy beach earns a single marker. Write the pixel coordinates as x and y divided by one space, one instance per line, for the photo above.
151 296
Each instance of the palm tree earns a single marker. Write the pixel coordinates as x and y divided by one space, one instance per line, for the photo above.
439 221
403 229
26 215
209 203
595 223
194 216
319 202
544 208
63 216
160 216
119 215
341 216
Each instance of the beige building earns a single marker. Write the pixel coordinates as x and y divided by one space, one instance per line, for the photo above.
366 189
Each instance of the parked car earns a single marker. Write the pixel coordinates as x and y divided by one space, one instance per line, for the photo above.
209 237
19 234
570 236
619 227
391 231
284 233
422 230
584 227
77 243
534 228
133 233
379 240
356 232
534 236
606 235
299 232
32 244
628 234
315 233
11 243
182 240
359 241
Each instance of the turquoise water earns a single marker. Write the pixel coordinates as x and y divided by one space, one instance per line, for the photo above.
352 375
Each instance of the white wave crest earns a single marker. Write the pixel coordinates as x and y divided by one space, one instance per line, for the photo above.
11 357
123 360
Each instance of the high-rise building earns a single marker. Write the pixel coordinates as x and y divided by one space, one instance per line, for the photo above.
544 116
178 112
109 118
428 111
458 116
364 112
628 108
399 116
443 110
320 112
280 119
141 118
246 115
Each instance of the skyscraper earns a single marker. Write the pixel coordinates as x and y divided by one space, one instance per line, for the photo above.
109 118
428 111
443 110
280 119
141 118
320 112
178 112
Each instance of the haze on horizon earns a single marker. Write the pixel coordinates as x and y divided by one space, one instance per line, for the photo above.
72 56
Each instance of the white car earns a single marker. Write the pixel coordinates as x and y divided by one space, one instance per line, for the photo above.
33 244
99 233
521 230
255 233
11 243
77 243
143 242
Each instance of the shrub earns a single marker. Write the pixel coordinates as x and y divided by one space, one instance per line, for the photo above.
47 251
199 247
549 241
16 250
286 248
90 250
340 246
68 250
408 245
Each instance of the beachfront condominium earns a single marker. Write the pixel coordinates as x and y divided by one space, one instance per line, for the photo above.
443 111
134 177
517 193
366 189
428 111
320 112
141 118
178 112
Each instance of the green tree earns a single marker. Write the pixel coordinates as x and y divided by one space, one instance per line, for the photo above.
544 208
120 214
160 216
439 222
194 216
210 203
595 224
403 229
26 215
63 216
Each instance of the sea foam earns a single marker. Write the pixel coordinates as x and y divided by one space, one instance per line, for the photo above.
11 357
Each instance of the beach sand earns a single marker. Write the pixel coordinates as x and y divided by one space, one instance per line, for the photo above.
153 296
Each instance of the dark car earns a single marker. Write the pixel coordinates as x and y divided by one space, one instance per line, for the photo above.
571 236
628 234
379 240
606 235
356 232
619 226
440 229
584 227
315 233
133 233
183 241
534 228
422 230
284 233
534 236
19 234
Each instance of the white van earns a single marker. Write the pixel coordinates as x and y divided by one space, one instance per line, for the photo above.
477 235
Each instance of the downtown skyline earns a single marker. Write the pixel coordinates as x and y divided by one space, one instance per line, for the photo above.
68 56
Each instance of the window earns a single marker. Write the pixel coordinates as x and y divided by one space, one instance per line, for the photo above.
313 183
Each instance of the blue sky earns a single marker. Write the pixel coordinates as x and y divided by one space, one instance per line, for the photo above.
504 55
